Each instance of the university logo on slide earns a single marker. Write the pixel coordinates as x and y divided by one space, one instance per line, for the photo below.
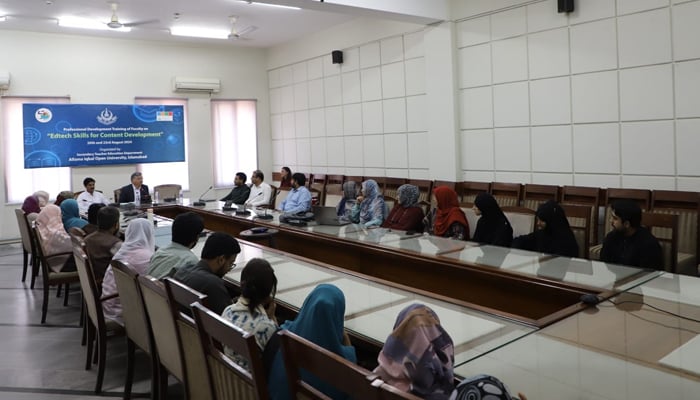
164 116
43 115
106 117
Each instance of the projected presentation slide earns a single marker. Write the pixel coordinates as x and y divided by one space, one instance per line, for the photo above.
70 135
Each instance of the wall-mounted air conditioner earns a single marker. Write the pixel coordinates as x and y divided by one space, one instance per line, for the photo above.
4 80
208 85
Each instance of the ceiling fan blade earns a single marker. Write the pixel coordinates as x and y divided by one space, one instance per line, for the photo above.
247 30
137 23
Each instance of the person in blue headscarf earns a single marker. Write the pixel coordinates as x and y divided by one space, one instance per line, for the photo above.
320 320
370 209
70 215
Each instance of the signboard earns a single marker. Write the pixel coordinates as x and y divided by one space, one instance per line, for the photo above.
70 135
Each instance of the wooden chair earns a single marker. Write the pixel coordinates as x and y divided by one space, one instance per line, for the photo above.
168 191
136 325
317 187
521 219
451 185
334 190
388 392
76 194
687 206
228 379
27 246
579 217
357 179
51 278
98 328
391 186
534 195
586 196
507 194
300 354
425 188
467 191
180 298
274 193
166 337
640 196
276 178
665 228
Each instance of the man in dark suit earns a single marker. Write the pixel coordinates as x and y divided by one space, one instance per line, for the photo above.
136 192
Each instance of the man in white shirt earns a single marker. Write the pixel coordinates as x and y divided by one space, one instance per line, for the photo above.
89 196
260 191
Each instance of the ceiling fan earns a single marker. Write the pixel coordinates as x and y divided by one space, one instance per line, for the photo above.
114 20
239 34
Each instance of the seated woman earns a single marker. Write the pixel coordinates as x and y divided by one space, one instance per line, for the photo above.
552 233
345 205
370 209
406 215
493 227
286 179
31 207
447 220
254 312
136 251
64 195
71 215
320 320
418 356
55 239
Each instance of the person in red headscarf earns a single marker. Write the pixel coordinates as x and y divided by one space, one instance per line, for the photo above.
447 220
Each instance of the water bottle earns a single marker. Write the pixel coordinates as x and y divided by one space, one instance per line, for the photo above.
156 198
182 198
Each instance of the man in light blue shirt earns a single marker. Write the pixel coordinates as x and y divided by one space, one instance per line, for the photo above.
299 198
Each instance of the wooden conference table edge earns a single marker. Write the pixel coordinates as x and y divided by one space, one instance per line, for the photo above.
530 300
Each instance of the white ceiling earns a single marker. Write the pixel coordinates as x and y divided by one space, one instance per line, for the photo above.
274 25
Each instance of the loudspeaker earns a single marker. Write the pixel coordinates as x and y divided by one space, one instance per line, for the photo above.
337 56
566 6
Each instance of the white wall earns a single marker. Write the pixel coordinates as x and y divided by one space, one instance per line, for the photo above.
606 96
97 70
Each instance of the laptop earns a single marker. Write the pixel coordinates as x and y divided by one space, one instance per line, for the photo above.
328 216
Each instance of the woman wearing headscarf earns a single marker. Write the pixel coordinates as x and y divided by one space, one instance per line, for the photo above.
406 215
71 215
43 197
370 209
320 321
418 356
344 207
55 239
64 195
493 227
447 219
552 234
31 205
136 251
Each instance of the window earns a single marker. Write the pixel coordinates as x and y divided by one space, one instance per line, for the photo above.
20 182
165 173
235 139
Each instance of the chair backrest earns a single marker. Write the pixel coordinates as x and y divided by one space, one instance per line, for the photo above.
334 190
639 196
228 379
472 218
276 178
425 188
507 194
391 186
274 193
449 184
282 194
687 206
76 194
343 375
165 333
534 195
168 191
89 287
521 219
23 225
587 196
468 191
665 228
388 392
134 314
317 186
579 217
117 192
180 297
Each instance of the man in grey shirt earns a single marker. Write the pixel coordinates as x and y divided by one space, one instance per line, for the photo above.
185 234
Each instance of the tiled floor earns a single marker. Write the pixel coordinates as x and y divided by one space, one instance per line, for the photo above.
47 361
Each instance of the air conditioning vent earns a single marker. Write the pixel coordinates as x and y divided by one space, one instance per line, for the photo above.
207 85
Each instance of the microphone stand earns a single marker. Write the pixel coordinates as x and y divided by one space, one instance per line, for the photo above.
200 203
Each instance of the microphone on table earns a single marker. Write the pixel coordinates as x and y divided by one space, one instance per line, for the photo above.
266 215
246 212
200 202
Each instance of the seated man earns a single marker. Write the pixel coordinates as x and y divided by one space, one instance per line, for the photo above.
185 234
218 257
299 198
89 196
103 244
137 192
260 192
629 243
240 192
